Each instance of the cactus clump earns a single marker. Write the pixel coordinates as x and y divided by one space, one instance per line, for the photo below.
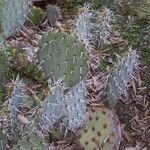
121 76
13 14
63 57
94 27
69 106
100 132
53 14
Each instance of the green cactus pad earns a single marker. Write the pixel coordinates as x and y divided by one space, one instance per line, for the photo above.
53 14
62 56
35 16
12 16
17 97
100 132
32 142
121 76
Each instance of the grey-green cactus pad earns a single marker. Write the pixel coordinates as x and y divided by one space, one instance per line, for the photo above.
53 14
76 103
13 14
54 108
63 57
121 76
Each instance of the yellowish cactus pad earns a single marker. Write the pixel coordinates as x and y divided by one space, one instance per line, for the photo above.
100 132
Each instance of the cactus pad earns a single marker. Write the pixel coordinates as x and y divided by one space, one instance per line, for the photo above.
100 132
53 14
54 108
63 57
17 96
75 100
94 27
12 16
31 142
70 105
121 76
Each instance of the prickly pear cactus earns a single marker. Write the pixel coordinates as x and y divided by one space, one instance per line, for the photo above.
31 142
53 14
54 107
12 16
76 103
16 101
101 132
121 76
94 27
87 26
63 57
70 107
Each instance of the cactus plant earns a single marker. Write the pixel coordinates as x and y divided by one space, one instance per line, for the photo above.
76 102
94 27
53 14
101 131
12 16
17 96
54 107
121 76
70 105
63 57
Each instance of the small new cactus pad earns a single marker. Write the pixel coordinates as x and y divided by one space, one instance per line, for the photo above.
100 132
16 101
13 14
121 76
94 27
54 108
35 15
63 57
31 142
76 102
53 14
